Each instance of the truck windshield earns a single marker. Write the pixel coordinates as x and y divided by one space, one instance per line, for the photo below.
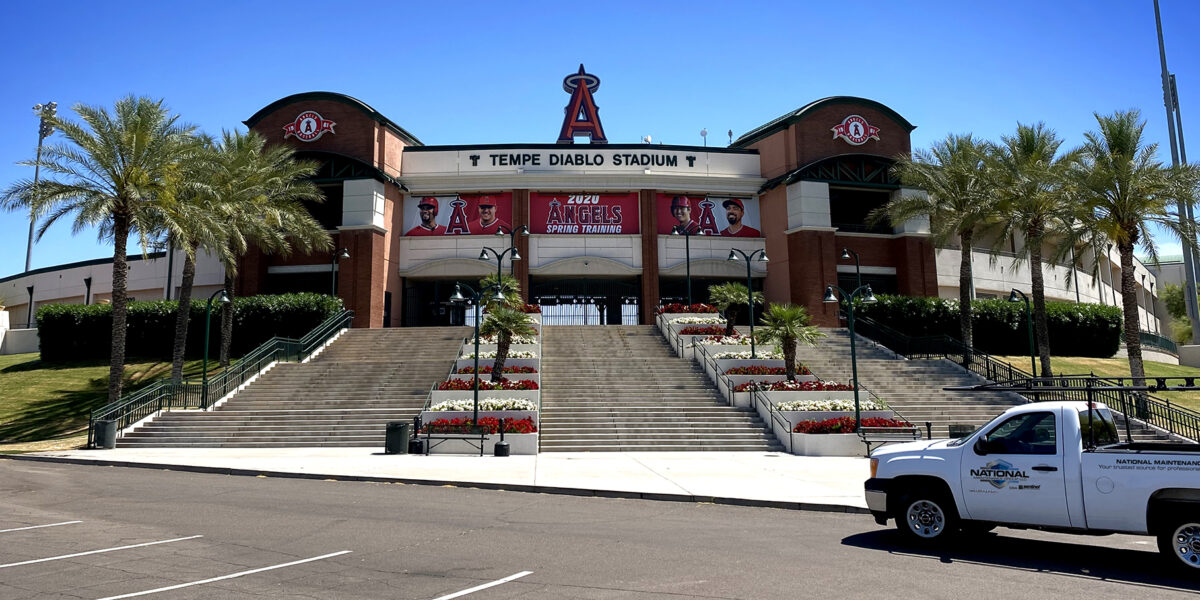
962 440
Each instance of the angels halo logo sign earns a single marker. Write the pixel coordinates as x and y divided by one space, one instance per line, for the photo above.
308 126
855 130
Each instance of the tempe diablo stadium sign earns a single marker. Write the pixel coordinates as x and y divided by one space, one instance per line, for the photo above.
584 213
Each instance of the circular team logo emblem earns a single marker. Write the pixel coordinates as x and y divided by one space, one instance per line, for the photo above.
308 126
855 130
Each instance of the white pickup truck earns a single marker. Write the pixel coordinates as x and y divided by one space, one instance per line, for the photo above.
1057 466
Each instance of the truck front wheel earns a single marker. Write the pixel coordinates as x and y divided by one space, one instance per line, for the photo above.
1180 538
925 516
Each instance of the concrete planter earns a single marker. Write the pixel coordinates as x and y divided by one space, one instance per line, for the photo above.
491 362
828 444
796 416
518 444
536 377
716 368
743 398
664 319
437 396
516 415
775 398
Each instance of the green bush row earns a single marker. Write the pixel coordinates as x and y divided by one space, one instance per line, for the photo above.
999 326
78 332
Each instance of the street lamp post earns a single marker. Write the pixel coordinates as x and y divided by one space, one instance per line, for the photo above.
476 297
868 298
1016 296
343 253
687 254
45 112
762 257
207 325
512 242
846 254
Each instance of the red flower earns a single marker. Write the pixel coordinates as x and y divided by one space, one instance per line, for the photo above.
702 330
487 370
503 384
794 386
531 308
489 424
844 425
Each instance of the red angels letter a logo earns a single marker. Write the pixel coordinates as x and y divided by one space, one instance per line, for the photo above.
308 126
855 130
583 117
458 218
708 222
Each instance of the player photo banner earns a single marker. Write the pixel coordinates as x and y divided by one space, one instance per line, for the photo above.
710 215
584 213
458 214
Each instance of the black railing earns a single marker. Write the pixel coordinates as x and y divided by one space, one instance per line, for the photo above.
1139 405
1157 341
190 393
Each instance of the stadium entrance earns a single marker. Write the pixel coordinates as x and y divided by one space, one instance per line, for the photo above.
587 301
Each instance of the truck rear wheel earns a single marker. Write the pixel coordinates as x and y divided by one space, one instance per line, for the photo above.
926 516
1180 539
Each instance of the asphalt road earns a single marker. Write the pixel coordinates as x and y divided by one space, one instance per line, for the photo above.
424 542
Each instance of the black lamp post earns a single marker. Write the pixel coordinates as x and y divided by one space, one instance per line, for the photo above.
1016 296
687 253
483 255
476 297
44 111
868 298
343 253
207 326
523 231
846 254
762 257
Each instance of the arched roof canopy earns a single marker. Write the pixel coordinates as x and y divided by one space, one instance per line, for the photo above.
799 114
860 170
378 117
339 167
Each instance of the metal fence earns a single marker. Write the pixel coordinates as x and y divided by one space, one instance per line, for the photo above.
1155 340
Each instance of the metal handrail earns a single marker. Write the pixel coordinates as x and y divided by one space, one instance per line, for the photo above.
1154 340
774 415
165 394
1149 409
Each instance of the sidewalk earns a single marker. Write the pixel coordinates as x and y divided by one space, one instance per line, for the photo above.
750 478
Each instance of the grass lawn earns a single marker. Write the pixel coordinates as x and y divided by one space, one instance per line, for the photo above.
45 406
1118 367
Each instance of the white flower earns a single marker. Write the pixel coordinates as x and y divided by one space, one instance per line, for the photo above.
830 404
725 340
516 339
485 404
698 320
772 354
492 354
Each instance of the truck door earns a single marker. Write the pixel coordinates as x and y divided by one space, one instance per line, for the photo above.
1014 473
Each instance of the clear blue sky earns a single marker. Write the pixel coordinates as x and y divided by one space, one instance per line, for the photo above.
464 73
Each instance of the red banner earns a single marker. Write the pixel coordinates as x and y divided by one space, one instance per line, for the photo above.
458 214
584 213
708 215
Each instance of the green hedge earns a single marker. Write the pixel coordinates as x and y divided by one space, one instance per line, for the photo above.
999 325
78 332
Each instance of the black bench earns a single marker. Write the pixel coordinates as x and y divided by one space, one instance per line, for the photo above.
476 440
884 435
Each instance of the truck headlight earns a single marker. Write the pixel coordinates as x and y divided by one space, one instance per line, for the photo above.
874 467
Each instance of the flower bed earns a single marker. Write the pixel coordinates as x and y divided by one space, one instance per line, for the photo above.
516 339
843 425
531 309
468 404
491 424
466 363
520 433
702 330
830 404
468 395
676 307
487 384
492 354
736 339
765 370
794 386
765 354
488 370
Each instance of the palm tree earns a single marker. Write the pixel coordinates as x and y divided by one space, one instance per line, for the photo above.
958 202
1029 177
510 288
1127 191
259 193
114 169
504 322
728 298
788 326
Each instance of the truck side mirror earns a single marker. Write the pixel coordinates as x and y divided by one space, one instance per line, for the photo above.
981 446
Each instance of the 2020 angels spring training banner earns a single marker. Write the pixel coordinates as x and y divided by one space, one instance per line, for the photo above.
458 214
708 215
584 213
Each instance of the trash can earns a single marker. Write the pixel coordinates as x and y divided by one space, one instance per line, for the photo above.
416 446
396 437
106 434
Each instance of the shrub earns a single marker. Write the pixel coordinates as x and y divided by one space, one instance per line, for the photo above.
843 425
79 332
999 325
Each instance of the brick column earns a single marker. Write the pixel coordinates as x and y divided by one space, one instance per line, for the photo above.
252 273
812 261
649 256
916 266
361 278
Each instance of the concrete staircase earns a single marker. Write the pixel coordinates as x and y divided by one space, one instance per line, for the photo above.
343 397
914 388
620 388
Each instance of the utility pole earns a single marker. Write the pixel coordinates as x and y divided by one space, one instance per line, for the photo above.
1171 102
44 112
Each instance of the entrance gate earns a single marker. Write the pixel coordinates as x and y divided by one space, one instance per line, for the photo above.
587 301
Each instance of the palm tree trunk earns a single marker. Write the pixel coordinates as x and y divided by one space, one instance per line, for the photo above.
1133 341
183 313
120 303
1037 281
789 359
227 321
503 341
730 317
965 281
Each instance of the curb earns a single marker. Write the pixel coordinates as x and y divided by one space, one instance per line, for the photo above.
508 487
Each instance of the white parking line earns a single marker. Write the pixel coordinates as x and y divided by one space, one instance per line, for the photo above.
39 526
224 577
38 560
484 586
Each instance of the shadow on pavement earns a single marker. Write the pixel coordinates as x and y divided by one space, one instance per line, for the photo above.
1143 568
